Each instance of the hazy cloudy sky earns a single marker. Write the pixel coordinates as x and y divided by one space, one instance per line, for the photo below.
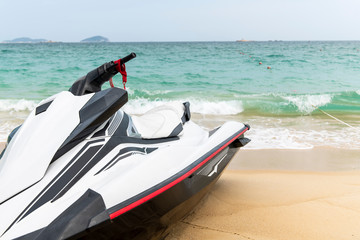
181 20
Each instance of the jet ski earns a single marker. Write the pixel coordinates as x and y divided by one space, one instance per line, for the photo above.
80 167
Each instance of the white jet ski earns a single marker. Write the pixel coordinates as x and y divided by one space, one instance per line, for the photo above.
81 168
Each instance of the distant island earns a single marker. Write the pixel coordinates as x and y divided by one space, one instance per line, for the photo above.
96 39
26 40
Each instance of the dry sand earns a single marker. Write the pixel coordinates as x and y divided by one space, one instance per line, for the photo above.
286 194
277 205
280 194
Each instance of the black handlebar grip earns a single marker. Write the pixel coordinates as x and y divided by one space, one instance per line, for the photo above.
128 58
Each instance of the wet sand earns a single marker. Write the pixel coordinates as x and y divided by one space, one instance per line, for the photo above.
318 159
280 194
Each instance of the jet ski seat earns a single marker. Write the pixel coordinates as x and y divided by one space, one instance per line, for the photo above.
163 121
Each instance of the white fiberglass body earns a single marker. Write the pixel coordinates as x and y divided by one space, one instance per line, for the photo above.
78 162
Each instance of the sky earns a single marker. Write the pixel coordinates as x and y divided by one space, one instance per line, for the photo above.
182 20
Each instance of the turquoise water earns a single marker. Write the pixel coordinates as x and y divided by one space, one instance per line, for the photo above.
222 80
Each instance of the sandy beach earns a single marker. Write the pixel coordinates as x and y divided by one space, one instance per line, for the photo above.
280 194
277 205
2 145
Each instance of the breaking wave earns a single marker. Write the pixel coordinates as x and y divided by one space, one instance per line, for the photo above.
142 105
308 103
8 105
269 104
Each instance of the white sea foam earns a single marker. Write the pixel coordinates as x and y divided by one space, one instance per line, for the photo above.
9 105
276 138
266 132
289 138
307 103
358 92
156 92
142 105
217 108
150 93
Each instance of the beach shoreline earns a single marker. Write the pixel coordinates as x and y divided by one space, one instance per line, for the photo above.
280 194
317 159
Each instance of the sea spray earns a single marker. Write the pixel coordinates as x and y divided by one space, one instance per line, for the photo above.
307 103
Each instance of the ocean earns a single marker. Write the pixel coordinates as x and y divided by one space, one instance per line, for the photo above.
222 81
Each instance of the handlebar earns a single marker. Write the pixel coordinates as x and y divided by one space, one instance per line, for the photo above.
93 81
128 58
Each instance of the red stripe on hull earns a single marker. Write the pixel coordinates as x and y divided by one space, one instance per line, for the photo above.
176 181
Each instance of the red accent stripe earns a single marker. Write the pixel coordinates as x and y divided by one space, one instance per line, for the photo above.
173 183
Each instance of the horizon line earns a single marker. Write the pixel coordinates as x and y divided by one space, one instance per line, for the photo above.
179 41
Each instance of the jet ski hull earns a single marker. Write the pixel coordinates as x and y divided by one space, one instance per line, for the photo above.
147 215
